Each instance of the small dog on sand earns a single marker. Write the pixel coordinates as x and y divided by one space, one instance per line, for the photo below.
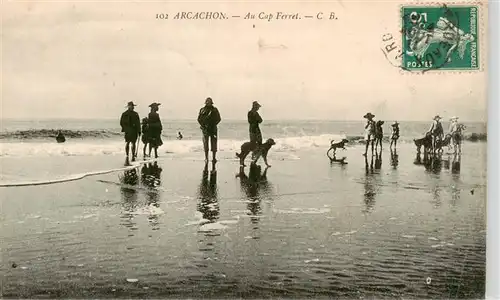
334 145
248 147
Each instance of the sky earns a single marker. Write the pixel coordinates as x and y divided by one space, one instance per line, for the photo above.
88 59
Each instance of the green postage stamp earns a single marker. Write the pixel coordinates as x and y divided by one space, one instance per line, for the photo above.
440 37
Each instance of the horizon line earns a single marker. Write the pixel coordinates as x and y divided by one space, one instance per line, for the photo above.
227 119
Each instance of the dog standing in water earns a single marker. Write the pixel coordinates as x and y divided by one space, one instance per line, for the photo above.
257 151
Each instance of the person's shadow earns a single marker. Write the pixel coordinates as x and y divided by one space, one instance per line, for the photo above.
369 186
207 194
129 196
151 178
255 186
395 158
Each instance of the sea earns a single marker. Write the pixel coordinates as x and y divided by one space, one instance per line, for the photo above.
103 137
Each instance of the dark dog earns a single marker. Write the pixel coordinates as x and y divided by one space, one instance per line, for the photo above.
248 147
334 146
426 142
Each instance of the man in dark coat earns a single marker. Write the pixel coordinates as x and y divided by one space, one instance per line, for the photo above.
131 126
209 118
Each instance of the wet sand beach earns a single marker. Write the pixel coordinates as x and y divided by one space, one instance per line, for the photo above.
389 228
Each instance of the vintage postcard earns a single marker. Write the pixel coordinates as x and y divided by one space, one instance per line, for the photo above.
223 149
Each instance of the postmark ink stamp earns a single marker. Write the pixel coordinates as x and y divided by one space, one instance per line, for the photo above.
440 37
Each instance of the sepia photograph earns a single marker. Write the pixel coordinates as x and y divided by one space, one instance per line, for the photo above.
229 150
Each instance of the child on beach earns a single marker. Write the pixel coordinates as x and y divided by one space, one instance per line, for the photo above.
369 131
145 137
394 134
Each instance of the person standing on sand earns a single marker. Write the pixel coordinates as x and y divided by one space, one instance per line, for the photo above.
254 119
145 136
154 129
436 132
394 134
131 126
369 131
209 118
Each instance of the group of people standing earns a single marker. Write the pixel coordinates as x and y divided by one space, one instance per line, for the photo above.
439 139
208 119
374 133
150 128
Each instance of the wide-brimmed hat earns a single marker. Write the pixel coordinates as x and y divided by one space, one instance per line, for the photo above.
131 103
454 118
395 123
369 115
437 117
256 104
154 104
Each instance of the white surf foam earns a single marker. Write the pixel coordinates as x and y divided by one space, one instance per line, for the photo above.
76 147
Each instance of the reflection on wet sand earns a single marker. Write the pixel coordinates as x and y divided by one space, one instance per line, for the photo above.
151 177
255 186
369 185
455 176
207 194
129 197
208 206
394 158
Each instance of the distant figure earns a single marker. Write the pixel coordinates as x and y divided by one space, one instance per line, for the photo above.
179 136
379 134
209 118
394 134
154 129
145 135
436 132
60 137
131 126
369 131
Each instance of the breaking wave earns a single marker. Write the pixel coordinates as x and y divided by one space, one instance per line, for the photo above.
52 133
102 146
41 134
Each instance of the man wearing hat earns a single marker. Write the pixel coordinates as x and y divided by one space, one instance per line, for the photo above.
154 128
254 120
131 126
436 131
369 131
209 118
394 134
